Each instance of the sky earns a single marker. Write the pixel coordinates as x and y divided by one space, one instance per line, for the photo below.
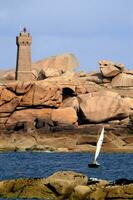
93 30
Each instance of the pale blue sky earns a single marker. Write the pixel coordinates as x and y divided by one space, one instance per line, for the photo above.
91 29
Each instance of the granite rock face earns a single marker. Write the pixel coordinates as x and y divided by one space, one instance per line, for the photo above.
64 116
65 97
103 106
27 101
26 116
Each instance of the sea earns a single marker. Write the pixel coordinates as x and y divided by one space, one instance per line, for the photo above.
113 166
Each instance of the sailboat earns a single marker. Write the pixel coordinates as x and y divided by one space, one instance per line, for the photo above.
95 164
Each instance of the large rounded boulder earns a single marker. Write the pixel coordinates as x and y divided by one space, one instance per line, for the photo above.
103 106
63 182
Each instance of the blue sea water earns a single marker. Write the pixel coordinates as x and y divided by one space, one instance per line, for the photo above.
42 164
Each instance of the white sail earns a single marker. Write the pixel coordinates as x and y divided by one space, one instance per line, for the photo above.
99 144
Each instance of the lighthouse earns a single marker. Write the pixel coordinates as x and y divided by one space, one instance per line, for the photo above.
23 62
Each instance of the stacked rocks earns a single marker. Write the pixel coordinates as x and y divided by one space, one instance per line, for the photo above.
116 73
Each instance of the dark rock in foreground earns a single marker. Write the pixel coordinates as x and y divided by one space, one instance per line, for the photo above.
65 185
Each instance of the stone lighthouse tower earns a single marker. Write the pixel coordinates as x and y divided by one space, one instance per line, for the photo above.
23 64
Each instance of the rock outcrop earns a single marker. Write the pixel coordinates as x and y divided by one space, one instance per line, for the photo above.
27 101
65 185
26 116
65 98
64 182
119 76
103 106
110 69
43 100
45 137
62 63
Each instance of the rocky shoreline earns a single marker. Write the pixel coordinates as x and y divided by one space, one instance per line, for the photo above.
68 139
63 110
66 185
